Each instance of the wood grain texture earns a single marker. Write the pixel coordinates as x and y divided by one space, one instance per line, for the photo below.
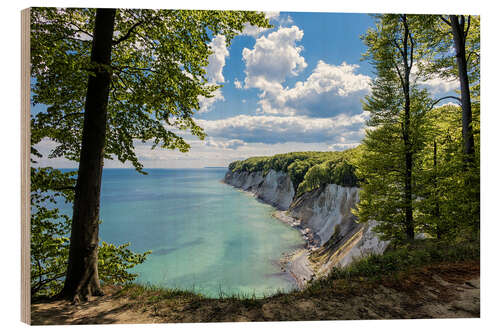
25 167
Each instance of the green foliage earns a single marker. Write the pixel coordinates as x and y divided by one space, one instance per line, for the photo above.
115 262
435 35
339 172
409 256
307 170
157 70
450 195
396 131
50 229
50 251
445 195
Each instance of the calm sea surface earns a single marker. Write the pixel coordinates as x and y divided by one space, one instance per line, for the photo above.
205 235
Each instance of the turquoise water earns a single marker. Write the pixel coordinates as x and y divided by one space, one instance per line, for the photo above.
205 235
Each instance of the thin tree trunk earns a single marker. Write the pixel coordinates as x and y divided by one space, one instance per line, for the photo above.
459 37
436 212
409 225
82 278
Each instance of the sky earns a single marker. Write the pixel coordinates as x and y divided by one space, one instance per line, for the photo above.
297 86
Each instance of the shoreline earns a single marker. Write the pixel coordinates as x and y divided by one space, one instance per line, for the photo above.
296 262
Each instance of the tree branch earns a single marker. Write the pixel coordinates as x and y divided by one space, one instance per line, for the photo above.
471 53
445 20
128 34
468 26
134 68
442 98
411 50
40 284
68 115
63 188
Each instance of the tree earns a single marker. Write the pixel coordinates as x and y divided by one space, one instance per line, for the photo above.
449 195
452 51
49 237
460 33
112 77
397 109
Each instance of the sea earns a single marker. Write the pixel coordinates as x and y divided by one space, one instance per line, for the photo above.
205 236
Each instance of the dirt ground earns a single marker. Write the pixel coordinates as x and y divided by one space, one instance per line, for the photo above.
439 291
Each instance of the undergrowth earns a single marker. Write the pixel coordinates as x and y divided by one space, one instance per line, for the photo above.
407 256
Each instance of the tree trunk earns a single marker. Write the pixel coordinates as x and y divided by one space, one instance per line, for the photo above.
409 225
82 278
459 37
436 212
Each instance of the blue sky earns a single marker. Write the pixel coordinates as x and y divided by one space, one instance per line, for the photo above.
295 87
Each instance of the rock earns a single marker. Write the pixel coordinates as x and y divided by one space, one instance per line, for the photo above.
324 214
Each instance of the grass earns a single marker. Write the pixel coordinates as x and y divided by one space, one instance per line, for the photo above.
399 260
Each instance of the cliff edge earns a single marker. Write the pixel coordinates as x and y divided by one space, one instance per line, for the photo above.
324 217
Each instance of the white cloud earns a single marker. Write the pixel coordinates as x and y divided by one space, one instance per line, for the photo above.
343 146
224 144
437 85
274 129
329 90
206 103
217 60
237 84
450 104
274 58
434 83
216 63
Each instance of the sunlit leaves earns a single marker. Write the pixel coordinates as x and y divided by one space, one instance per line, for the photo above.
158 74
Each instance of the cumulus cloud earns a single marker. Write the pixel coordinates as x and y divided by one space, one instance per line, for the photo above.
274 129
217 60
434 83
216 63
237 84
450 104
330 90
274 58
225 144
206 103
437 85
343 146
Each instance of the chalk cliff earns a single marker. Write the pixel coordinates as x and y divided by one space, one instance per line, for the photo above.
323 215
275 188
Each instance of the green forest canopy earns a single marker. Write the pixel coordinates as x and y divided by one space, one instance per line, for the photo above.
307 170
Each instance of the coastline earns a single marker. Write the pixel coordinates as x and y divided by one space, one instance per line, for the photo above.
295 263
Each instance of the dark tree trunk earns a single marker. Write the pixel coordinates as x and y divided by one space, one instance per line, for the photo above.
436 212
409 225
82 279
459 38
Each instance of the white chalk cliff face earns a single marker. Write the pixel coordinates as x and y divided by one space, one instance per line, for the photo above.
327 209
275 188
324 213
